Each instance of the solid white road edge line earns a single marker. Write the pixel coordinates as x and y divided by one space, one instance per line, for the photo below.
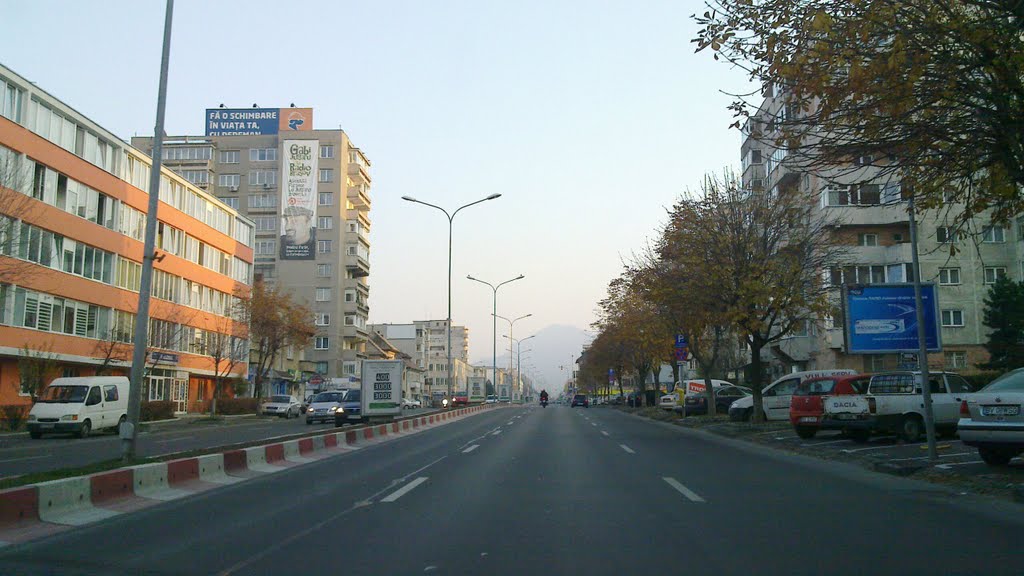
471 448
496 432
404 490
683 489
627 448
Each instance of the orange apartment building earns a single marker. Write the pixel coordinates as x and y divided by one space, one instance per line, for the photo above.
72 224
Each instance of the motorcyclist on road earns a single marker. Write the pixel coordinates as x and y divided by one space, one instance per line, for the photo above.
543 395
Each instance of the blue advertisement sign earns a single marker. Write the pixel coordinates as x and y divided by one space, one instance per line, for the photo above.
882 318
257 121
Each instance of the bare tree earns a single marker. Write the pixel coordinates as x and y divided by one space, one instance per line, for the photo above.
19 199
275 322
35 368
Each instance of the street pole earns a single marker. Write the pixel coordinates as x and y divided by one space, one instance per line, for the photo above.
129 435
494 327
922 344
519 358
510 324
451 217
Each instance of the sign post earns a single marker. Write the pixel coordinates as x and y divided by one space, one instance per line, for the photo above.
477 390
382 389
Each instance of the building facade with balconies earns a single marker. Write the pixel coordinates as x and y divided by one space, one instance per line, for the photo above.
871 226
311 212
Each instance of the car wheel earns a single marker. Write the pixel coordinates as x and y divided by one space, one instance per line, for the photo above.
995 456
911 429
806 432
35 434
86 428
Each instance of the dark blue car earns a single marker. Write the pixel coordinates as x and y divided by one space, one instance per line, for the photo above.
351 409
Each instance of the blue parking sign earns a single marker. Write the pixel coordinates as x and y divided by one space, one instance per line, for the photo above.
681 341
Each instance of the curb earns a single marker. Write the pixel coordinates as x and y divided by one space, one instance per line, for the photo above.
36 510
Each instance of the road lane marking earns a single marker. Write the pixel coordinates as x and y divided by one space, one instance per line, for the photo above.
173 439
925 457
806 445
627 448
603 432
683 489
950 465
25 458
593 423
496 432
852 450
404 490
509 423
471 448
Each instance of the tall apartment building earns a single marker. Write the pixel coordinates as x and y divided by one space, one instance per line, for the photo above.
874 229
72 222
308 192
427 342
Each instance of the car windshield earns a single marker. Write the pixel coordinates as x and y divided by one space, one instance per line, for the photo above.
815 388
280 399
64 394
1011 381
352 396
328 397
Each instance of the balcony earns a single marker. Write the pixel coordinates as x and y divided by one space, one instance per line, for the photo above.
359 196
359 173
872 215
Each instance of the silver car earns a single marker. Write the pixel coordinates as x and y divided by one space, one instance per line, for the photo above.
324 405
283 406
991 419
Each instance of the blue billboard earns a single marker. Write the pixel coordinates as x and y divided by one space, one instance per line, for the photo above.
882 318
257 121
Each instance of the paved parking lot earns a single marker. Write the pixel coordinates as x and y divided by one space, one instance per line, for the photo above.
958 465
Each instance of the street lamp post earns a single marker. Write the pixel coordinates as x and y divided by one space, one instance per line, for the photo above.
451 217
510 324
494 328
519 357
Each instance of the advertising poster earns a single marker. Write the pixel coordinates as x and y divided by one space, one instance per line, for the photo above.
298 199
882 318
477 389
257 121
382 387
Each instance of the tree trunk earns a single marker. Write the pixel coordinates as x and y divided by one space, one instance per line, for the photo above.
216 393
709 392
756 380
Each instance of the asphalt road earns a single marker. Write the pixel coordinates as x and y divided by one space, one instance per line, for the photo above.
551 491
21 455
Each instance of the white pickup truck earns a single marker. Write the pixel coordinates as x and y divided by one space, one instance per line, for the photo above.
894 403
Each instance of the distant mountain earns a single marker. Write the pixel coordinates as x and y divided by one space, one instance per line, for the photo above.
552 352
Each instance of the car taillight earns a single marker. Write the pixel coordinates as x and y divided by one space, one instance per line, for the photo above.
963 410
871 405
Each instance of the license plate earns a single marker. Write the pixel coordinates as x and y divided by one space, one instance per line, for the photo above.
846 416
1000 410
810 419
46 425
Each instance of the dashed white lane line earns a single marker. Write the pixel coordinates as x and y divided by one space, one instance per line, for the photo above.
593 423
827 442
603 432
509 423
955 454
693 496
404 490
627 448
948 466
496 432
471 448
852 450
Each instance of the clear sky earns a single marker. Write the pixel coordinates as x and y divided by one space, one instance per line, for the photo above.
589 117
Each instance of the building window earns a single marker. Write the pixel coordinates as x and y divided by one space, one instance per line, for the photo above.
322 342
265 223
229 156
325 223
197 177
231 201
857 275
957 359
265 247
323 270
321 368
867 239
945 235
229 180
323 246
326 175
993 234
327 151
323 319
953 318
263 154
262 200
323 294
949 276
875 362
856 195
327 198
262 177
994 273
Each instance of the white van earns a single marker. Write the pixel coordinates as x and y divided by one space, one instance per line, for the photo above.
80 406
777 396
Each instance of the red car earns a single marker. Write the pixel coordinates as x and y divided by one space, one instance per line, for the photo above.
806 408
461 399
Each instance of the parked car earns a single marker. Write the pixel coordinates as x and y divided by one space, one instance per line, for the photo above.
492 399
696 403
411 404
324 405
669 401
283 406
894 403
777 396
807 407
580 400
80 406
350 410
306 402
991 419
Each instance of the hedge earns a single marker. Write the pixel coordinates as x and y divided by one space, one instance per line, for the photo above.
158 410
14 415
981 379
231 406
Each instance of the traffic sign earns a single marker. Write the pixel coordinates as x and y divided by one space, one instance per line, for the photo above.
681 341
682 354
316 379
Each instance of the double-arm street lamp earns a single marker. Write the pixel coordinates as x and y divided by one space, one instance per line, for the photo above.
451 217
494 329
519 356
510 324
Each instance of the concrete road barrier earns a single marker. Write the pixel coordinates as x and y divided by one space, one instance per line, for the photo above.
211 469
69 501
256 460
151 482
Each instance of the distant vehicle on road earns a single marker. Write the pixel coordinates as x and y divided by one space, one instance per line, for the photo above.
80 406
410 404
492 399
778 395
807 408
580 400
991 419
461 398
324 406
283 406
350 410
